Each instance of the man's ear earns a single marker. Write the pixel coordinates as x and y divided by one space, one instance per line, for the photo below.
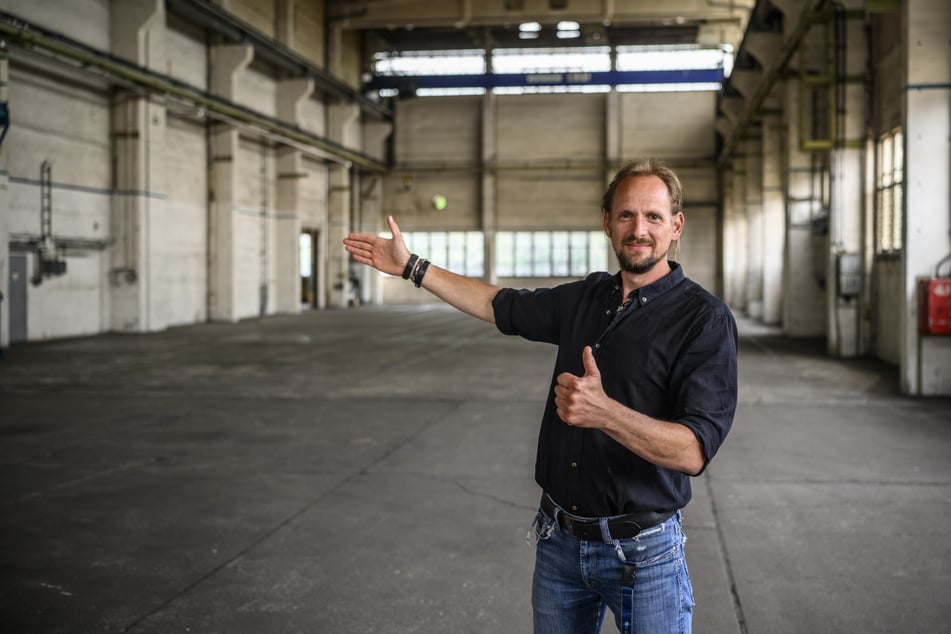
606 222
678 221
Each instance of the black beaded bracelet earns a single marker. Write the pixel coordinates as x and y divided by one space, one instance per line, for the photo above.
409 265
418 278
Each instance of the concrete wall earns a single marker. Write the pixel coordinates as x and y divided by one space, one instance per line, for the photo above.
130 176
547 159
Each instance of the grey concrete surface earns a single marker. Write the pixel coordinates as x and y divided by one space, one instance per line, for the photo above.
370 470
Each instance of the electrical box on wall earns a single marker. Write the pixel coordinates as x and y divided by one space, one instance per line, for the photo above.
849 274
934 306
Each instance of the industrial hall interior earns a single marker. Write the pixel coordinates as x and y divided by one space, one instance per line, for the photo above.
213 418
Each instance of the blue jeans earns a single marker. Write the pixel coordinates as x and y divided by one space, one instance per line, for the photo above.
576 580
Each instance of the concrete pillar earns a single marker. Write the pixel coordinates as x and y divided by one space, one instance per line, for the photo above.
925 360
376 135
774 218
804 267
735 238
138 34
847 210
753 154
229 62
342 127
489 184
284 18
4 211
291 95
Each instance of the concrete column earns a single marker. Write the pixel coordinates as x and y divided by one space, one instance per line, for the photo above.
284 28
848 189
229 62
138 35
291 95
925 360
375 137
4 210
803 266
774 219
489 185
342 127
612 131
735 239
753 154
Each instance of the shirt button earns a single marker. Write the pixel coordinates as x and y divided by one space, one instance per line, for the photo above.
574 508
643 300
607 312
597 345
574 464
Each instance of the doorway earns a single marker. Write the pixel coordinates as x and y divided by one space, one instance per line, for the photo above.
17 288
308 268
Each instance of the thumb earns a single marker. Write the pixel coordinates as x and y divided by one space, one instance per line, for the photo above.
394 228
590 365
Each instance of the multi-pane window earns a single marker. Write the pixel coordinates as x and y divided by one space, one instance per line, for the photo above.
550 253
889 192
461 252
518 253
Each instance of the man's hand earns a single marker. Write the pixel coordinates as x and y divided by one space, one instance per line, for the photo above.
580 400
388 255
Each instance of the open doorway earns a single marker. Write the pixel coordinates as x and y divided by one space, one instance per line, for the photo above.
308 268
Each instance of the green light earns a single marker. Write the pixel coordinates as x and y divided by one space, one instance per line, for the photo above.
440 202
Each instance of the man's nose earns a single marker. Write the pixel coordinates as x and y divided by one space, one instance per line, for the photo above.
639 226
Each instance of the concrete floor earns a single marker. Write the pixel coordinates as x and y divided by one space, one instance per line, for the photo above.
371 470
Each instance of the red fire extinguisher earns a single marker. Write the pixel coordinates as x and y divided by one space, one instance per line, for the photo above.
934 303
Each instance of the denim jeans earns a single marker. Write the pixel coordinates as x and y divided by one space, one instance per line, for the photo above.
575 581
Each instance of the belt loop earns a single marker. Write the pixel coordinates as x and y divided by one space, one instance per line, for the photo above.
605 530
555 509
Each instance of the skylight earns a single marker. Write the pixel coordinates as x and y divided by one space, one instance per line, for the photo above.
552 60
559 70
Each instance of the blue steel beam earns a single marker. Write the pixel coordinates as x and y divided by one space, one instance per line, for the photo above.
492 80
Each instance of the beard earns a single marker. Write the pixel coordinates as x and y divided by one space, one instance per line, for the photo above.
637 268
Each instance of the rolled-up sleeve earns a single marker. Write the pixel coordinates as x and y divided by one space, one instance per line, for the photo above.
533 315
704 383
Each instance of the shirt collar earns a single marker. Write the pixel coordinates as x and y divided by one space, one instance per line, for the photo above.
647 293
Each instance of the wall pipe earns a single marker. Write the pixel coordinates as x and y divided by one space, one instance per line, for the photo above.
31 37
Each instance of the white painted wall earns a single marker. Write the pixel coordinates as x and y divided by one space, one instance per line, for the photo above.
887 324
69 118
182 278
49 129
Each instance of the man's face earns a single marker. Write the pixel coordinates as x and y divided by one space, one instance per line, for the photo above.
641 225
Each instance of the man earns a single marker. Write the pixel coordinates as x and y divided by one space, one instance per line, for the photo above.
644 391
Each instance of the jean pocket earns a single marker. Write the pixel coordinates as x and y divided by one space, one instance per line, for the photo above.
652 547
543 526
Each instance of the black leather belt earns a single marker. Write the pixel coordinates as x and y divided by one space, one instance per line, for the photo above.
589 529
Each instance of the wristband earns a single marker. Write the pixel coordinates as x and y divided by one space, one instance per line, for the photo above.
409 266
418 278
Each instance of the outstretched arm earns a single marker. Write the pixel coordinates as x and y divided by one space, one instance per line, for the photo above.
390 255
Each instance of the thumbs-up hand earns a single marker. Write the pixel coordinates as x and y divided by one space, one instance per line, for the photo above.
580 400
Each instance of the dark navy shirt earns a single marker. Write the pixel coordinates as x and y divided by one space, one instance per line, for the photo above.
669 354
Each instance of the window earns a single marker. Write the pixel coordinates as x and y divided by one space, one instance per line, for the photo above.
889 192
464 62
550 253
569 69
552 60
461 252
